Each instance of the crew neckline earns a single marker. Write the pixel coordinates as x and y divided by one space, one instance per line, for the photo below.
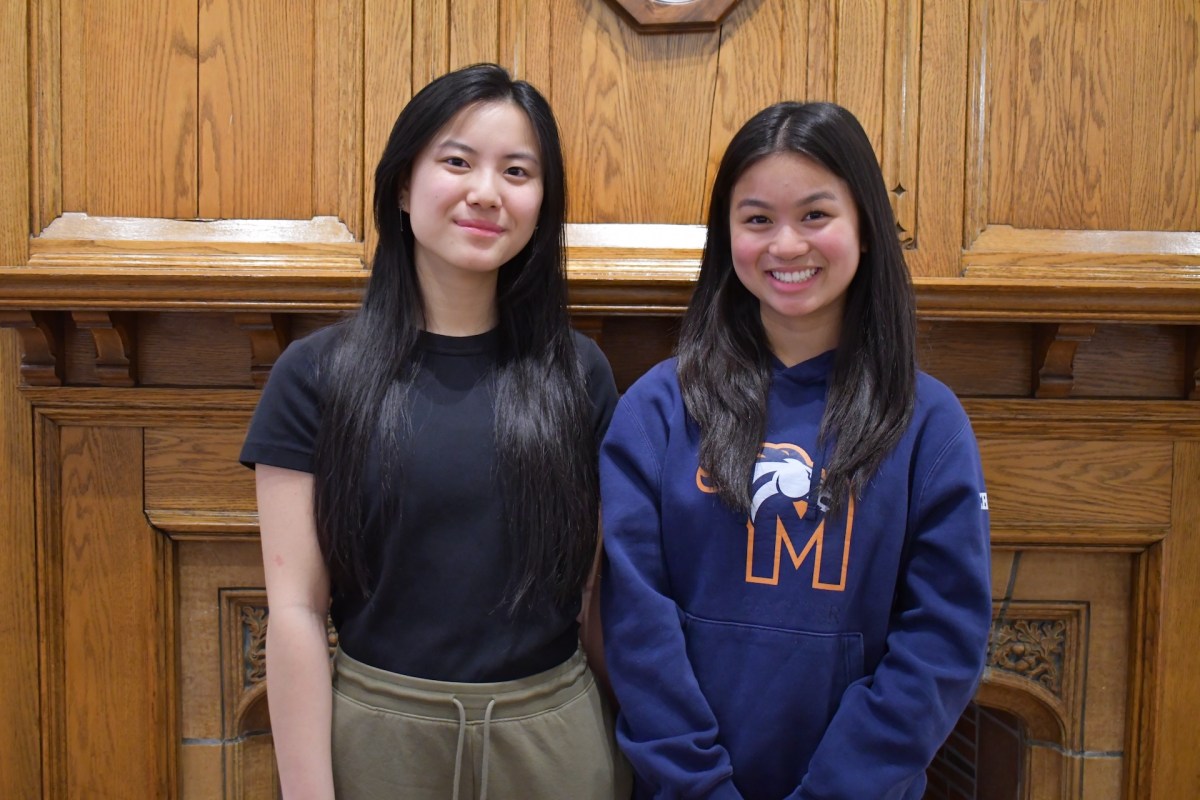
475 344
812 370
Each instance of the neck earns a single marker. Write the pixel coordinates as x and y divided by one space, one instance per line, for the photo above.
459 305
795 343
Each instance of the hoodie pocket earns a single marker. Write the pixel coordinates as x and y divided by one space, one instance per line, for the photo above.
773 692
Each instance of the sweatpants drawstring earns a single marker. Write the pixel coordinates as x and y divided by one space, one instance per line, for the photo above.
487 733
462 735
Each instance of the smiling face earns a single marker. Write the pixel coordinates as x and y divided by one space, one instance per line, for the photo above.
794 239
474 194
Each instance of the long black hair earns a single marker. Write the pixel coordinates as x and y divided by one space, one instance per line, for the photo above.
545 448
724 363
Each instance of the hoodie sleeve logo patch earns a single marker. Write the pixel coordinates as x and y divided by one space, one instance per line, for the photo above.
784 508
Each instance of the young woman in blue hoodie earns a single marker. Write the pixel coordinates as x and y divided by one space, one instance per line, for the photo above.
796 597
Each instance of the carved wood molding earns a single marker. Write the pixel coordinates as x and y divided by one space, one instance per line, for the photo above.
269 335
115 336
1036 655
675 16
1054 358
41 345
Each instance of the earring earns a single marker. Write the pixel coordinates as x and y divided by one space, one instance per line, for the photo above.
401 217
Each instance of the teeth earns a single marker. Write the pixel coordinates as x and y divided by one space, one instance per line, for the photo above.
794 277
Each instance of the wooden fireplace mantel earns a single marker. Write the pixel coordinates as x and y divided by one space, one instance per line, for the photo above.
139 361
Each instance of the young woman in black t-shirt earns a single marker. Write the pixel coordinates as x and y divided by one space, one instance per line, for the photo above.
426 474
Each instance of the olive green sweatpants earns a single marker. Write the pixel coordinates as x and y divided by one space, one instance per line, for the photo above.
545 737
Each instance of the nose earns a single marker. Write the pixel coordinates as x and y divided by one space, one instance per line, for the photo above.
483 190
788 243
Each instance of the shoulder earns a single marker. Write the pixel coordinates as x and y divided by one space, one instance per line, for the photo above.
302 358
654 399
592 359
658 382
937 406
942 440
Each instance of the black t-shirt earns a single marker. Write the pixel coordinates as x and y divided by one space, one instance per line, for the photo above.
436 606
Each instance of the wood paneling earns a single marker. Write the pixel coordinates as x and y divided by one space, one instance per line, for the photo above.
1086 103
623 162
474 32
14 135
763 54
129 100
117 692
1178 659
20 769
1085 483
196 469
256 109
338 112
388 80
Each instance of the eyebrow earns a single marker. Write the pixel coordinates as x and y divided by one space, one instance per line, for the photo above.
823 194
454 144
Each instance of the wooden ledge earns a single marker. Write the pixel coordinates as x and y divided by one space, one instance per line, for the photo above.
280 266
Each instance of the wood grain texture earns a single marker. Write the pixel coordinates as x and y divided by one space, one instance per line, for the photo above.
45 107
1088 483
430 40
474 32
525 30
940 109
337 112
20 768
14 135
196 469
115 638
1075 138
256 96
764 58
130 78
1165 109
624 163
861 46
388 81
1175 772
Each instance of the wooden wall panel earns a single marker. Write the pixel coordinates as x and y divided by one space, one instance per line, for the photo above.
430 40
635 113
388 81
1081 483
764 53
1078 139
129 107
116 648
338 158
474 32
14 135
256 109
20 767
1177 660
196 469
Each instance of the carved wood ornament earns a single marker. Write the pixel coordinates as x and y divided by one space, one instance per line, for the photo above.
41 345
673 16
1055 367
115 336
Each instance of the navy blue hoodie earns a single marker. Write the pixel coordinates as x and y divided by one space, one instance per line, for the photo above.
795 654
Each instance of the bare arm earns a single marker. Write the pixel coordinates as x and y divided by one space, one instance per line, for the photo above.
298 678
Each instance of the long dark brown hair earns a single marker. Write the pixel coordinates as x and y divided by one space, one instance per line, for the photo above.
546 455
724 365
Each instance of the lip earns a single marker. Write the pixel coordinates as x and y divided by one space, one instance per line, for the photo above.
480 226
